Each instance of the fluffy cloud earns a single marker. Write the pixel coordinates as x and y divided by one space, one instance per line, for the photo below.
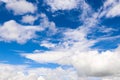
13 72
62 4
47 44
87 63
61 53
97 64
75 51
50 57
20 7
29 19
12 31
73 43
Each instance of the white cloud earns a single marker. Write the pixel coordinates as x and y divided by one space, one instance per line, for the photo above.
89 63
73 42
12 31
110 9
59 57
94 63
20 7
106 30
81 5
45 23
47 44
109 2
29 19
57 74
86 11
75 50
62 4
13 72
114 11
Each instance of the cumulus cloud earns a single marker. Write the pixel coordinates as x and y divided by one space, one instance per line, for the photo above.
12 31
29 19
97 64
13 72
87 63
22 72
62 4
20 7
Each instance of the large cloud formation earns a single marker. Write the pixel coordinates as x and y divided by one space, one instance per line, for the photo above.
74 49
87 63
10 72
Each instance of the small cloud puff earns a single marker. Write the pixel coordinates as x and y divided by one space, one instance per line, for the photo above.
12 31
20 7
62 4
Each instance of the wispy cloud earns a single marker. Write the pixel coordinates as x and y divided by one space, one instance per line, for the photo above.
110 9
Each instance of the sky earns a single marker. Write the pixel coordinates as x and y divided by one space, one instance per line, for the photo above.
59 39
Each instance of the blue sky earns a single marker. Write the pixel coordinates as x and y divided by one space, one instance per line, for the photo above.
59 39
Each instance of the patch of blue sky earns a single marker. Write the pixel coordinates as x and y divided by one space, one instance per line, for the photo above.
38 65
28 47
5 15
112 22
67 19
95 4
109 44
